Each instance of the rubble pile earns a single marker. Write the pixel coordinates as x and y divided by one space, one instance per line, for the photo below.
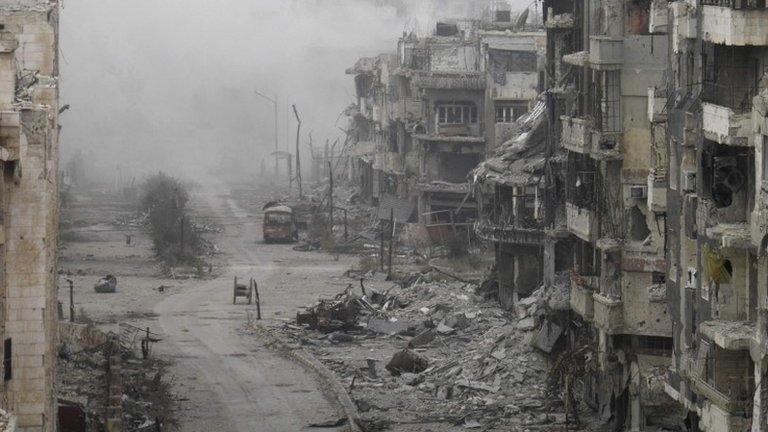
435 352
83 381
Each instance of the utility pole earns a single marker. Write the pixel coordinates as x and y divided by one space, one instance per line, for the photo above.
391 238
330 195
71 300
298 157
274 102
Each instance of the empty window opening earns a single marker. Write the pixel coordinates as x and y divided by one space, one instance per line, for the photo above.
638 226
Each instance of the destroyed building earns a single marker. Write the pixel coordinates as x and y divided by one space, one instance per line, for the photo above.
626 148
425 118
29 214
604 56
716 277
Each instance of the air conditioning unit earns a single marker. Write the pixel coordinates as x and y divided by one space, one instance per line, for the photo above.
688 181
638 192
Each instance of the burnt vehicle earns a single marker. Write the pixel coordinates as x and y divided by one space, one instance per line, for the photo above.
280 224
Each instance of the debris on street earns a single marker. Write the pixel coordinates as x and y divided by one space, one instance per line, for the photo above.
453 358
107 284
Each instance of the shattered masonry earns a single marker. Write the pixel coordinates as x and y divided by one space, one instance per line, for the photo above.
622 145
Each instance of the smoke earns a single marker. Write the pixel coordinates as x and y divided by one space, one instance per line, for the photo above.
171 84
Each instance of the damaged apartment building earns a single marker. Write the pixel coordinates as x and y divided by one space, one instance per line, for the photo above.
621 151
428 115
28 211
717 277
579 193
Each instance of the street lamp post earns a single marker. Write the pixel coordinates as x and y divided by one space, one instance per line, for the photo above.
274 103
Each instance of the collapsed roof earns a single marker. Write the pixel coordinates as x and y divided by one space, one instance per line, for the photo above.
520 160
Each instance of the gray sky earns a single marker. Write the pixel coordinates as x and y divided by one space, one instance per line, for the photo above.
164 84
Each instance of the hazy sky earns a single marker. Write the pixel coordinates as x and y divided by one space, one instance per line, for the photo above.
171 83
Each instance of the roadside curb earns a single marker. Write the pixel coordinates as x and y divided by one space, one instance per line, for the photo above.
308 361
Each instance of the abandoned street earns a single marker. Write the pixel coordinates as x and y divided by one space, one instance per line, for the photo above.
226 380
384 215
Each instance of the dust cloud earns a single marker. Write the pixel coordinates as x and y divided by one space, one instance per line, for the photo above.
171 85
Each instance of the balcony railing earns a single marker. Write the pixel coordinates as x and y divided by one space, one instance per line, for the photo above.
734 405
581 222
460 129
575 134
582 290
606 53
725 126
734 26
608 314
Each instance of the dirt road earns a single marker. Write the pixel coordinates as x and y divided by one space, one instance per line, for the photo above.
231 381
225 380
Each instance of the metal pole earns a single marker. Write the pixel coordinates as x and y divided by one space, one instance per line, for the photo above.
345 224
71 300
274 102
381 250
391 238
330 196
298 156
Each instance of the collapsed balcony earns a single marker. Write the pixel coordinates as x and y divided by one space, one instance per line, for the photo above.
725 378
514 217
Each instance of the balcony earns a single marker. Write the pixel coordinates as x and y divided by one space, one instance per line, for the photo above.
657 101
658 22
575 134
461 129
733 405
582 290
734 27
561 22
581 222
730 235
510 234
608 314
606 53
725 126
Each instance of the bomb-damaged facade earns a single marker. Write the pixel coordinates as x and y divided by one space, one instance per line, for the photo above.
617 153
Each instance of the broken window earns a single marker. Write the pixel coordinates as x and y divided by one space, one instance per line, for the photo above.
637 224
726 171
610 101
731 75
456 114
